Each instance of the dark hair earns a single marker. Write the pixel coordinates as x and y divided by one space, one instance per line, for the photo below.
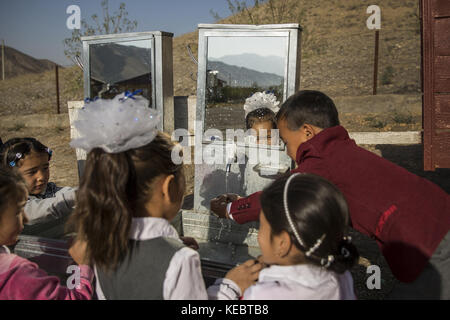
317 208
260 115
311 107
22 146
112 187
12 188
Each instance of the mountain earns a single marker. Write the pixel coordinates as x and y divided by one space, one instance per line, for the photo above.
269 64
18 63
113 63
236 76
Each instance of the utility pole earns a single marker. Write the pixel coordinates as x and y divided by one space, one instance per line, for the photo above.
375 63
3 59
57 88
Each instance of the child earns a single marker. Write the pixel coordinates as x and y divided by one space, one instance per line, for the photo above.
20 278
408 216
47 204
303 240
260 111
129 192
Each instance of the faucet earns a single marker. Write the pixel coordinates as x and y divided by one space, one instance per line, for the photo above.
231 155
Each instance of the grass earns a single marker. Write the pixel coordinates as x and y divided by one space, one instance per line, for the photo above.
388 75
406 118
375 122
17 127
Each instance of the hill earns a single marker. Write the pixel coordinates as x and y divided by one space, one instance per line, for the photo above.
243 76
337 55
337 47
18 63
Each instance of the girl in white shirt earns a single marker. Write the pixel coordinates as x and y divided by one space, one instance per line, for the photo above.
303 241
129 192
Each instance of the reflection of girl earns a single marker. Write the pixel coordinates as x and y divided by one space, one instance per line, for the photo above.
260 110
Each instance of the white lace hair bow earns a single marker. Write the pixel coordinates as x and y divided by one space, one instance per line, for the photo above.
116 125
261 100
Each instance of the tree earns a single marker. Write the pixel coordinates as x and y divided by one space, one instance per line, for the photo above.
118 22
278 11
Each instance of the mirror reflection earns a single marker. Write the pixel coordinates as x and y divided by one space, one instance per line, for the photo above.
245 84
121 66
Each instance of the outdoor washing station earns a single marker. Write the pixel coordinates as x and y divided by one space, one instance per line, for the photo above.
223 243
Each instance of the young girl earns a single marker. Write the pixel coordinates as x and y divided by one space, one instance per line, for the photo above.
303 241
260 110
47 204
20 278
129 192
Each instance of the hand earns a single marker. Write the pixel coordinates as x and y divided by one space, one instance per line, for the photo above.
219 204
78 252
190 242
230 197
245 274
261 260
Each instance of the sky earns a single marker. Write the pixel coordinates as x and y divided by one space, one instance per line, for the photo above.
267 46
38 27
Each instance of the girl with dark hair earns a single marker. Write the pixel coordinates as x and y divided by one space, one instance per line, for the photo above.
303 240
47 203
129 192
260 110
21 279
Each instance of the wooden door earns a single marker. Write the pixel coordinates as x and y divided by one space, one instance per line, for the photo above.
435 16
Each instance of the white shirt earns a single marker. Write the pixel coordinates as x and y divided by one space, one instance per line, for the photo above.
297 282
4 249
183 278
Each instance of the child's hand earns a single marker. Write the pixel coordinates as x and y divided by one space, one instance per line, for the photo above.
261 260
78 252
190 242
230 197
245 274
219 206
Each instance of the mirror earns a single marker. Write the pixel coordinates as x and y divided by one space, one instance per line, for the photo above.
238 67
120 66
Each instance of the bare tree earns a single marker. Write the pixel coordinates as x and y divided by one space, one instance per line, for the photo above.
118 22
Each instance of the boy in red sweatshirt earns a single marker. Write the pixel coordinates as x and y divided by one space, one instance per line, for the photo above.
407 215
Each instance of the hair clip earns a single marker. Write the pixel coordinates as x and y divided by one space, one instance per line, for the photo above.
315 246
88 100
345 252
347 239
16 157
49 151
129 94
286 210
327 262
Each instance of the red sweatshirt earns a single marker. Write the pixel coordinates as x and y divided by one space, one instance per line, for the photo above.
407 215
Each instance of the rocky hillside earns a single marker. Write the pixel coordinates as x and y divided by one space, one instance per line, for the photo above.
338 49
18 63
